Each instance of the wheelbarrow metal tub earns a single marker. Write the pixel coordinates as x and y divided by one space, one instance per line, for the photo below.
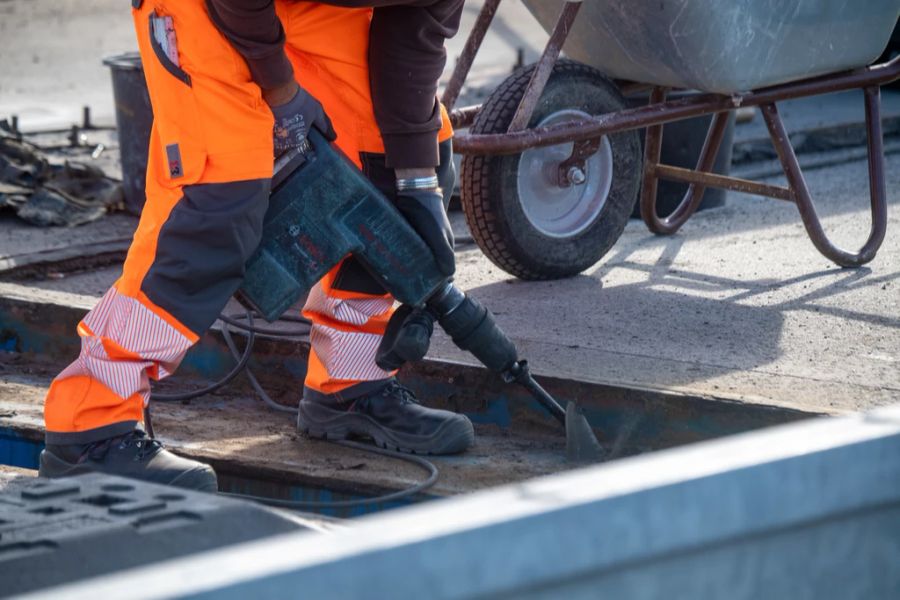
723 46
832 18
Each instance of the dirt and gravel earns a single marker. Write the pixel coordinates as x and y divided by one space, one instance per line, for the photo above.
239 436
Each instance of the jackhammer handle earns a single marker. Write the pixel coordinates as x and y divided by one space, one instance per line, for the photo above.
287 163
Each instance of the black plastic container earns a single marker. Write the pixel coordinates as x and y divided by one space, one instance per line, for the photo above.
134 117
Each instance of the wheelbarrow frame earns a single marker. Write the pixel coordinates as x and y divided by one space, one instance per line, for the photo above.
588 133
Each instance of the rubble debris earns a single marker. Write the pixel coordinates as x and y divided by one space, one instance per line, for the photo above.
47 194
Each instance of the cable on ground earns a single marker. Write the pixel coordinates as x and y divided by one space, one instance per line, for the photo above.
241 361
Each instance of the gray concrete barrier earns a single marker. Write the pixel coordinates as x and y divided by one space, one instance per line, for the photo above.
808 510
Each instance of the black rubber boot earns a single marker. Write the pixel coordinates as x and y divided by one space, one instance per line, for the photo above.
391 416
134 455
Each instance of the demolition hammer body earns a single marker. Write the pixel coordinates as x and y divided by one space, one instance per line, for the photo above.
322 209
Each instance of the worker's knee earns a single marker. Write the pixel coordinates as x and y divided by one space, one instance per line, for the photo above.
202 249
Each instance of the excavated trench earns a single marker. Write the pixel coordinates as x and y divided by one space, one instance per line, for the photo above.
257 451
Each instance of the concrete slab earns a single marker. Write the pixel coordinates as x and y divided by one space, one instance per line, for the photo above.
738 305
36 328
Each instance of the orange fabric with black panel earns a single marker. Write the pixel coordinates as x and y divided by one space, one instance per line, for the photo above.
208 172
209 168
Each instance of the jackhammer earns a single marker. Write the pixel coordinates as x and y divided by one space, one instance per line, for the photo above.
322 209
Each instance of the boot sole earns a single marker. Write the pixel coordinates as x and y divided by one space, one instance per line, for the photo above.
321 422
53 467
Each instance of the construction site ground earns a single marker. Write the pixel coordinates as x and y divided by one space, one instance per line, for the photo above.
738 307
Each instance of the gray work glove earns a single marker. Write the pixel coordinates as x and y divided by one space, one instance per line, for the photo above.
424 210
293 120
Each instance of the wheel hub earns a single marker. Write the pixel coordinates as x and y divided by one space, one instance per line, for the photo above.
563 211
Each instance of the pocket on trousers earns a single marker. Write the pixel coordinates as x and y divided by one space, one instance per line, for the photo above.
163 55
180 158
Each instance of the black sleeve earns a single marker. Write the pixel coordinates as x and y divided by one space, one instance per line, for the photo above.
254 30
406 59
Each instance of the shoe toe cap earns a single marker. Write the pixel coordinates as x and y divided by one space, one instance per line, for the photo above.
201 478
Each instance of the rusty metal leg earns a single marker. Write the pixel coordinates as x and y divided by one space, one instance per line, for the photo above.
652 152
877 189
802 198
473 43
694 195
544 66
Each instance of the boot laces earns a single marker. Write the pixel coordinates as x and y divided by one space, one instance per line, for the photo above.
398 390
146 445
393 390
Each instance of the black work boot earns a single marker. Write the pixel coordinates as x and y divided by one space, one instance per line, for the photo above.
391 416
134 455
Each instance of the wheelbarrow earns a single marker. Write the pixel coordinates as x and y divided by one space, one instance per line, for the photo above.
552 162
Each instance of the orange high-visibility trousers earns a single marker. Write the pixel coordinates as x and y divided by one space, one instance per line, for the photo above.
208 177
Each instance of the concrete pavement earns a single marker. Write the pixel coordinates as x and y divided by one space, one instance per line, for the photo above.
738 305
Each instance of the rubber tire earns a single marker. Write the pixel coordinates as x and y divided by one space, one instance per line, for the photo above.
488 185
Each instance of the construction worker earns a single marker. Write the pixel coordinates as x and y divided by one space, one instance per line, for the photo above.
223 75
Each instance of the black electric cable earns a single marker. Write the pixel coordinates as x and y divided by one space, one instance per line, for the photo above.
241 360
254 382
423 485
240 365
234 321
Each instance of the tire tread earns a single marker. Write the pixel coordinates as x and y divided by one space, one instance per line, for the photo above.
482 214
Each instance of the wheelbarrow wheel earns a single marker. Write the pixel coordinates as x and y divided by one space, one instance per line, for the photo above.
519 215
